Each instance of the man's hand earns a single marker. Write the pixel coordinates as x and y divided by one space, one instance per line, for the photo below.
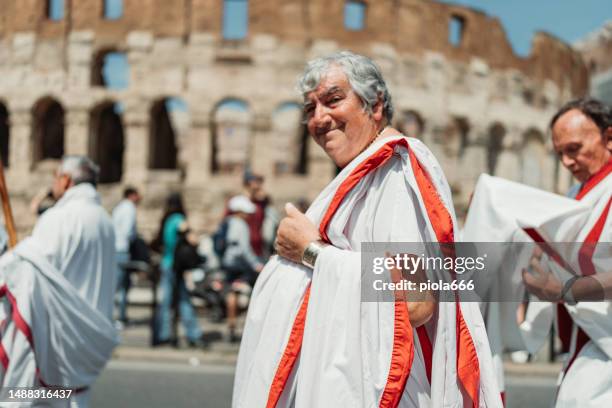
542 282
421 304
295 232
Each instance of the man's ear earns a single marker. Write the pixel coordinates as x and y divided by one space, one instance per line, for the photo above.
69 182
608 138
377 110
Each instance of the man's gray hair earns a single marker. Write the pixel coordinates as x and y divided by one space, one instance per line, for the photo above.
362 73
81 169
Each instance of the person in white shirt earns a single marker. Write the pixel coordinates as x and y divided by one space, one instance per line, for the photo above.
124 222
239 261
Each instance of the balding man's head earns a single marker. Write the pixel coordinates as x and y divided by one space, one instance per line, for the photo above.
582 136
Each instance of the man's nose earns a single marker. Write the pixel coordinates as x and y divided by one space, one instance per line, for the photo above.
567 161
321 115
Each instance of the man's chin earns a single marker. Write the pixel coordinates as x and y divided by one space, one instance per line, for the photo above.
581 177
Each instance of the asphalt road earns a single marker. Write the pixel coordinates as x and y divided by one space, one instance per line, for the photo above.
163 385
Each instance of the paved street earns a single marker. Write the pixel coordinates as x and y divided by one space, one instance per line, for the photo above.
530 391
141 376
164 384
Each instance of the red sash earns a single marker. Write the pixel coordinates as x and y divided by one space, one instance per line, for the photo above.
587 268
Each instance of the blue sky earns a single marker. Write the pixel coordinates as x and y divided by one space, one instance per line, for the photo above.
569 20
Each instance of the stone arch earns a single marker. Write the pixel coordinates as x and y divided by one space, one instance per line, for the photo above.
48 129
533 157
166 123
290 139
110 69
231 136
462 126
410 123
456 136
106 140
495 145
4 134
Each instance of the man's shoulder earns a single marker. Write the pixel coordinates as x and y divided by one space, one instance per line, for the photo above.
237 224
124 207
78 211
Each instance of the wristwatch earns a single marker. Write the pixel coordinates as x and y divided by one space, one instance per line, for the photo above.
566 292
309 257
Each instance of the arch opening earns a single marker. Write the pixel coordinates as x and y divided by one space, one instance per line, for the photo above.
290 139
48 130
231 136
494 146
168 120
110 69
106 140
410 123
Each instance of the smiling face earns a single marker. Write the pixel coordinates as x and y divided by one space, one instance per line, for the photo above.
581 147
337 120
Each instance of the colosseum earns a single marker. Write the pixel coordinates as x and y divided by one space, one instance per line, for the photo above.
209 90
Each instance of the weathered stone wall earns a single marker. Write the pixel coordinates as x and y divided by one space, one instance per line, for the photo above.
465 96
596 49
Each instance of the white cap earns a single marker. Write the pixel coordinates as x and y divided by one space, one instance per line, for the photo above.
241 203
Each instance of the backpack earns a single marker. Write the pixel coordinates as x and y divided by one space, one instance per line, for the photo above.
219 238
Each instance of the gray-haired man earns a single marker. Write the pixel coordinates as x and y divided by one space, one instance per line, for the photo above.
76 236
309 340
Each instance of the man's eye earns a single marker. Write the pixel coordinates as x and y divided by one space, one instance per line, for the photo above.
572 149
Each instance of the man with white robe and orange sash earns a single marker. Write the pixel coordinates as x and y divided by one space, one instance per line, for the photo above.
309 339
56 290
575 276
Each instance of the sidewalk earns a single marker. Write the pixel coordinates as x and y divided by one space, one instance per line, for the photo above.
135 343
136 337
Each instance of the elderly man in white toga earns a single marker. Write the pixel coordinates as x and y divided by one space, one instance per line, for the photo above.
309 340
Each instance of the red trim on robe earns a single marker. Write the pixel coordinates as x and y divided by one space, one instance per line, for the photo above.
585 258
594 180
291 353
380 157
468 367
294 343
402 357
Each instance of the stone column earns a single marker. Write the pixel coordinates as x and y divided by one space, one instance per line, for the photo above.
76 131
197 153
261 136
80 54
20 149
136 151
